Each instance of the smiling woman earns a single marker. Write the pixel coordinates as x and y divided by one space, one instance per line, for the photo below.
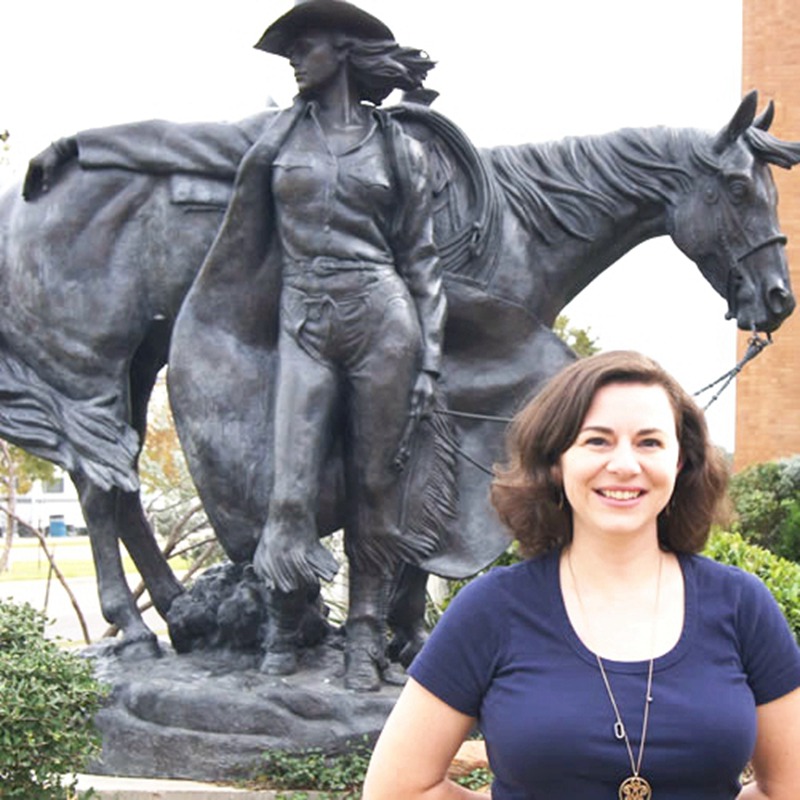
627 666
619 473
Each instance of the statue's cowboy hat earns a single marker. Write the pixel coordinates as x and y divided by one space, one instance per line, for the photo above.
336 15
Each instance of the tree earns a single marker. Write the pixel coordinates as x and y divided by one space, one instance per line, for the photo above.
166 482
766 499
579 339
18 471
5 162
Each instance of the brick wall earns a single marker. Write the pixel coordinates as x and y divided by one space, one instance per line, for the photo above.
768 390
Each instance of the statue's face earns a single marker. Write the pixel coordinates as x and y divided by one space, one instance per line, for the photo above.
315 60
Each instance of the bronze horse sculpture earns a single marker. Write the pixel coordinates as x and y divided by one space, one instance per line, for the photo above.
94 273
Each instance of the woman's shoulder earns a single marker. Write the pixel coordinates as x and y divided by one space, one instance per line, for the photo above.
729 587
710 573
511 580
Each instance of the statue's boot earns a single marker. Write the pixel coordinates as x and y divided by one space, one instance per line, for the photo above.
407 614
286 612
365 660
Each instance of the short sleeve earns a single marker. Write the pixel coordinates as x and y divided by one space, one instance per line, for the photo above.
770 653
459 659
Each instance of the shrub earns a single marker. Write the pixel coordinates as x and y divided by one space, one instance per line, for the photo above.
48 698
781 576
341 774
766 498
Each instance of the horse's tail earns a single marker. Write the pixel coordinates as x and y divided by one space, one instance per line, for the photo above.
84 435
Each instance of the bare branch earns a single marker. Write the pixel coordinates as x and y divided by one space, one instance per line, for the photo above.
56 571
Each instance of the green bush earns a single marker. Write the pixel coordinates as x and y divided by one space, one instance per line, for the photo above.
781 576
48 698
340 775
766 498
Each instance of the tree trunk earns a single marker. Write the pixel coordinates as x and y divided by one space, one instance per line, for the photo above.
9 479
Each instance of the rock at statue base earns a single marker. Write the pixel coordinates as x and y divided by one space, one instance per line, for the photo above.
212 716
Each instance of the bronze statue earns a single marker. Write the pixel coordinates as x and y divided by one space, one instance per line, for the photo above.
519 232
349 256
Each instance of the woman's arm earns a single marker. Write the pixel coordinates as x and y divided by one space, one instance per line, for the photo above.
416 748
776 761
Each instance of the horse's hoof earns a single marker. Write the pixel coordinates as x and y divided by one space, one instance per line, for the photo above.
362 672
280 663
394 676
404 647
139 647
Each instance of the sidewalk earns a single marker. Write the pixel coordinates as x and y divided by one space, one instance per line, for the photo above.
471 754
113 788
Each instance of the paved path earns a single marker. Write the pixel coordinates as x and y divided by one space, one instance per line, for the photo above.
109 788
50 596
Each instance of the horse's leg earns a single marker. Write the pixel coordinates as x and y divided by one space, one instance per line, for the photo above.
407 614
134 529
137 536
116 600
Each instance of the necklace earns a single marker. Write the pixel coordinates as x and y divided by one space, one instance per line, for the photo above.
634 787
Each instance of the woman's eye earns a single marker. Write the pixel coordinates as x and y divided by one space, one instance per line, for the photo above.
595 441
650 443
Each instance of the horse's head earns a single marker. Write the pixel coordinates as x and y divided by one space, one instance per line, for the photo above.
727 221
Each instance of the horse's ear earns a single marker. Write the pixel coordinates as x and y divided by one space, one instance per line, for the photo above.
741 121
764 120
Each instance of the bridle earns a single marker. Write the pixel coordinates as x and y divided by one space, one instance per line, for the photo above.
735 273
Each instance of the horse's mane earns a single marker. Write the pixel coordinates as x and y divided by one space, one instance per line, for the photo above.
560 186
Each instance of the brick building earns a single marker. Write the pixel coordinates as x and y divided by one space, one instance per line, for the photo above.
768 390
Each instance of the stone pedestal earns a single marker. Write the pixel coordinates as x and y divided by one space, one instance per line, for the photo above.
214 716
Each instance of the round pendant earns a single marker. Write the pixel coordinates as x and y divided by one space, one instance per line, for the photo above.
635 788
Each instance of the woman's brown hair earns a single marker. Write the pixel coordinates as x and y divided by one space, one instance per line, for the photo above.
527 492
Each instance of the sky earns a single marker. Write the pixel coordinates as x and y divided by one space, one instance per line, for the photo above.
507 72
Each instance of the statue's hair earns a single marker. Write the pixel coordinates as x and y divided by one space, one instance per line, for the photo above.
527 492
378 67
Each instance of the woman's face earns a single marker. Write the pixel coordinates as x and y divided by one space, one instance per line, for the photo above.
620 471
315 60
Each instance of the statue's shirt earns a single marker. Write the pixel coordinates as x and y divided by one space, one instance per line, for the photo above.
333 206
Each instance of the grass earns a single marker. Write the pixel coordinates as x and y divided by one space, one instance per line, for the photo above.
73 556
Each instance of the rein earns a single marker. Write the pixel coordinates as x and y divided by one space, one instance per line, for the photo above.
755 345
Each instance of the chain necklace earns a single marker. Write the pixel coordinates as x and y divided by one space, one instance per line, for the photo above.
634 787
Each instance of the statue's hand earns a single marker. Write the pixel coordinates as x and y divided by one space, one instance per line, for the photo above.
43 168
422 395
422 401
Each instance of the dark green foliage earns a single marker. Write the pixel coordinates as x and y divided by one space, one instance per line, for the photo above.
476 779
766 499
781 576
341 774
48 698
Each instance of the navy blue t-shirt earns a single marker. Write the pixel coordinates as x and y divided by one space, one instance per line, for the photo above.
506 653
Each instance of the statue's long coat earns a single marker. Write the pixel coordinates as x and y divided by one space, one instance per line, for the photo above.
222 365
